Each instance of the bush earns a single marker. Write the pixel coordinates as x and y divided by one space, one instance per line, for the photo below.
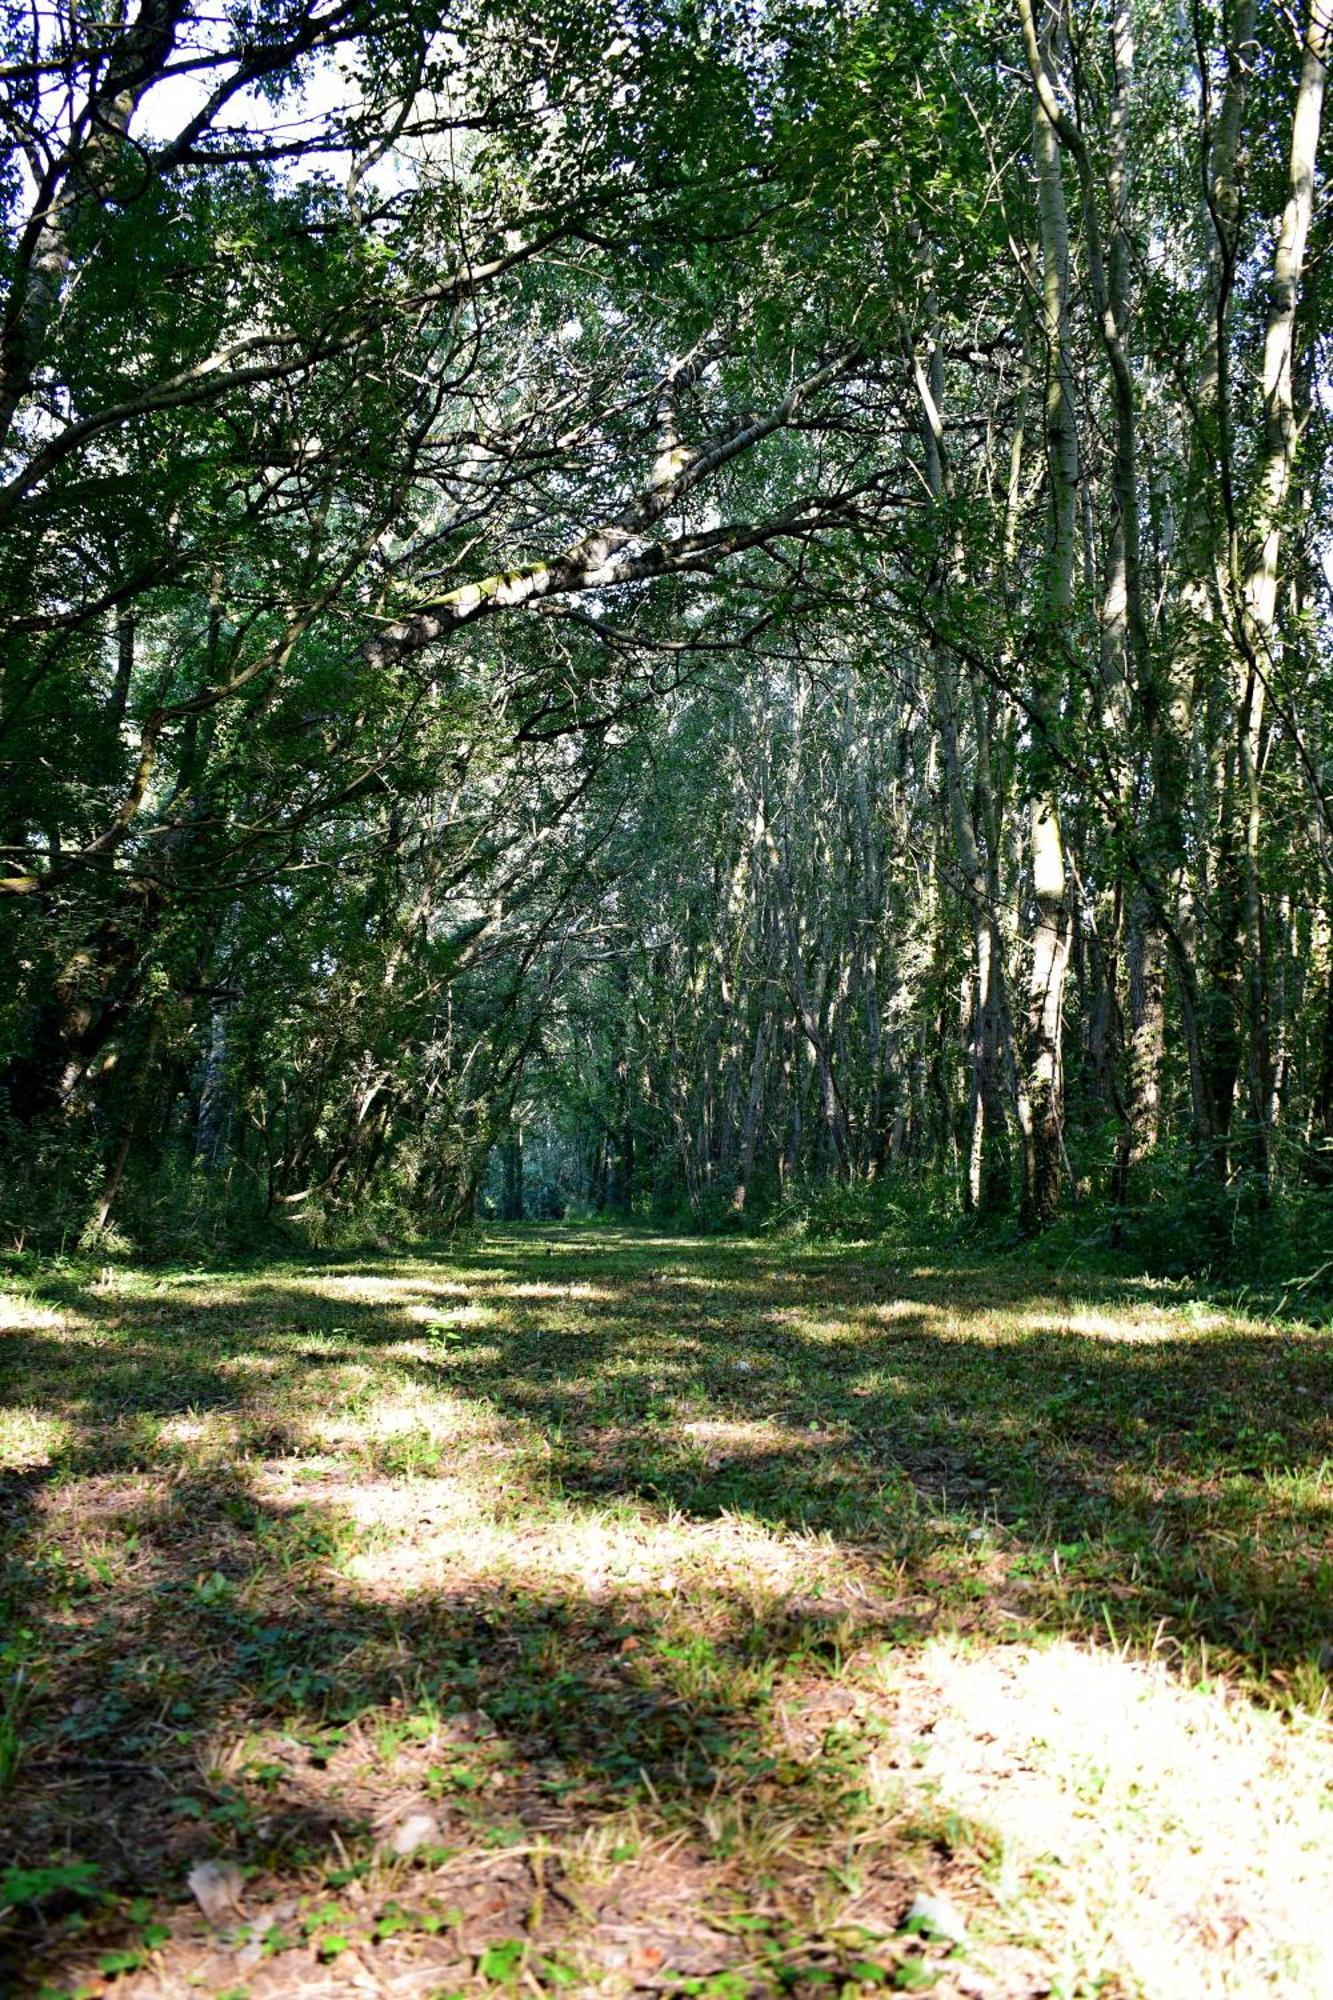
862 1210
49 1183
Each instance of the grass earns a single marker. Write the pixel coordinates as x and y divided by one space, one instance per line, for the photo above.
685 1609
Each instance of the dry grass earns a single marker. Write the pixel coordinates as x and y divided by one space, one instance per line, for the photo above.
698 1604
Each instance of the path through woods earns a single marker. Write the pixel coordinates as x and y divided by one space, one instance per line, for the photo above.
685 1608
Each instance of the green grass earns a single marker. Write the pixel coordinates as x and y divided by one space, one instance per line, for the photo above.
711 1599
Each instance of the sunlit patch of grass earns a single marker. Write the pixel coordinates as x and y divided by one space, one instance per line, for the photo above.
20 1314
1187 1831
28 1437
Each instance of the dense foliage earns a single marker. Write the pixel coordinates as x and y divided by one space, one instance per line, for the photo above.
667 606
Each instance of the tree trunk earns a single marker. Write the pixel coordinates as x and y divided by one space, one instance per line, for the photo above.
1042 1116
511 1172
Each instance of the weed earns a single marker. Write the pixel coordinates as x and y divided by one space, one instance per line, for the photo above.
13 1706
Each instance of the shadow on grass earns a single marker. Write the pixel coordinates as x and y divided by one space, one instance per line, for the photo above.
1194 1462
989 1453
222 1698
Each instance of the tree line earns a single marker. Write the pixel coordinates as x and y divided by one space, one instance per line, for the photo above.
740 589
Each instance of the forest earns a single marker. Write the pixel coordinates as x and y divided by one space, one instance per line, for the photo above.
666 998
666 609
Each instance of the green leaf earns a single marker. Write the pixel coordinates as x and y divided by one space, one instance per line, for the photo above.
501 1961
20 1886
120 1961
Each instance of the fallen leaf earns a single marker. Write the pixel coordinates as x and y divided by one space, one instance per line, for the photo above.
936 1917
419 1829
216 1887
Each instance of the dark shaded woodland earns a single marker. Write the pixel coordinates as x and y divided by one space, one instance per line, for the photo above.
686 610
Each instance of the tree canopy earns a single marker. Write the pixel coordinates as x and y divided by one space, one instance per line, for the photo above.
735 595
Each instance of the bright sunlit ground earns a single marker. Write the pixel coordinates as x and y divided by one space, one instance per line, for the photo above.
601 1612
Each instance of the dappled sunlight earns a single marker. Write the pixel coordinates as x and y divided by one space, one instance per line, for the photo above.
722 1435
894 1312
1204 1822
389 1412
468 1312
24 1315
186 1430
440 1532
247 1367
374 1290
576 1291
1132 1324
30 1438
805 1589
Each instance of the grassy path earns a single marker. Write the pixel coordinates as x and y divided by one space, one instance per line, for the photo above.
597 1612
